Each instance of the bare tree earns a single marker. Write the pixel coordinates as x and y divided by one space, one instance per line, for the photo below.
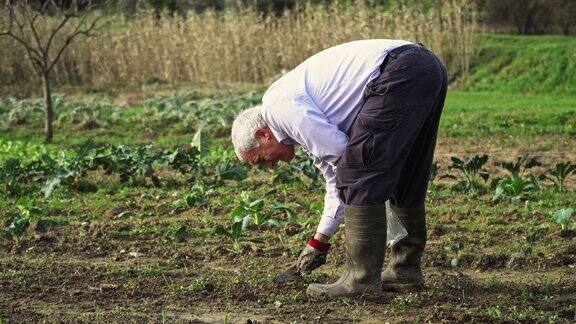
45 29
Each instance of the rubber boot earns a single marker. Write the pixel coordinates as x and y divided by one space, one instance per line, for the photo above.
365 232
404 271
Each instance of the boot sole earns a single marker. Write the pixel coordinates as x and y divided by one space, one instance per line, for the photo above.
323 294
402 287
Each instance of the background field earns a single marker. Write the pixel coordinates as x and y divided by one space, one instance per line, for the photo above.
100 249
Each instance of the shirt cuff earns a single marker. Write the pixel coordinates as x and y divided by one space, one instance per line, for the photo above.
328 226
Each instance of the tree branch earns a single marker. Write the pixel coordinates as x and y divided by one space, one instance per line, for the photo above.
31 22
71 36
20 39
55 31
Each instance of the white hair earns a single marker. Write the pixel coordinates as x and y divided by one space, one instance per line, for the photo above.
243 129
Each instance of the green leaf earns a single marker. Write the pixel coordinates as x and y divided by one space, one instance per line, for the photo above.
238 213
236 231
273 222
498 193
456 162
18 226
246 222
532 162
563 216
256 204
50 185
200 142
290 213
454 262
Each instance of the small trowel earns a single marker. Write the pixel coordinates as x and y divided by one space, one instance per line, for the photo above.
291 275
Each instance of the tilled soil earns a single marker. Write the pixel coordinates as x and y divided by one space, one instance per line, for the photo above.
130 269
72 279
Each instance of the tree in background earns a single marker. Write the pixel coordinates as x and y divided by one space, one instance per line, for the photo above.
45 29
530 16
277 7
565 12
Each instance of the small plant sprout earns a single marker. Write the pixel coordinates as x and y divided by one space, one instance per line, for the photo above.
559 174
455 248
254 213
518 167
234 233
197 196
27 208
515 187
17 227
433 173
11 175
471 168
563 217
228 170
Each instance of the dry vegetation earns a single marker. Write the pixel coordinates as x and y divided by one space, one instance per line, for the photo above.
242 46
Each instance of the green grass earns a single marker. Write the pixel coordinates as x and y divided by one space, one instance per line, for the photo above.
476 113
524 64
466 114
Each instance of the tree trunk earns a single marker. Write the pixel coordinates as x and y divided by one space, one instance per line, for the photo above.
527 24
49 112
566 29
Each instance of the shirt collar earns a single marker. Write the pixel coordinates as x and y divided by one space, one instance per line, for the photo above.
280 135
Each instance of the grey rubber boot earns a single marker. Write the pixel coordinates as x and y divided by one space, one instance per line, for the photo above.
404 271
365 232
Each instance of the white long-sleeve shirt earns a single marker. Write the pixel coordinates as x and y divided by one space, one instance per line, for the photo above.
315 104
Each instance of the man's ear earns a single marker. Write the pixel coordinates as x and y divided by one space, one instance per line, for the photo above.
262 132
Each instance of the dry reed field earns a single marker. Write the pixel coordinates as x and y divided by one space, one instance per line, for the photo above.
241 45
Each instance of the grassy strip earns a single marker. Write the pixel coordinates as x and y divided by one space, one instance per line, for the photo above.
525 64
481 113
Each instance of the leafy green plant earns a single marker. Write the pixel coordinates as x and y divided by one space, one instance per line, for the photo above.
17 228
434 171
455 248
11 174
176 232
23 150
183 160
27 208
516 186
228 170
471 168
563 217
302 167
135 164
514 189
518 167
197 196
253 212
73 167
559 174
234 233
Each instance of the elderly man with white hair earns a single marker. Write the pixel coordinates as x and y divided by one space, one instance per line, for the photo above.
367 112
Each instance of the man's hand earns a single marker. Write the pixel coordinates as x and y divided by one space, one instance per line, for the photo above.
314 254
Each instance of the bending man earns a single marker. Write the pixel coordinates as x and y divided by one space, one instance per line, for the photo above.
367 112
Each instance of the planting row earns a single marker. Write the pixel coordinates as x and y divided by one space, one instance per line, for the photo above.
181 107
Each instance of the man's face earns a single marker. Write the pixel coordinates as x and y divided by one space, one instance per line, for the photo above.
270 150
